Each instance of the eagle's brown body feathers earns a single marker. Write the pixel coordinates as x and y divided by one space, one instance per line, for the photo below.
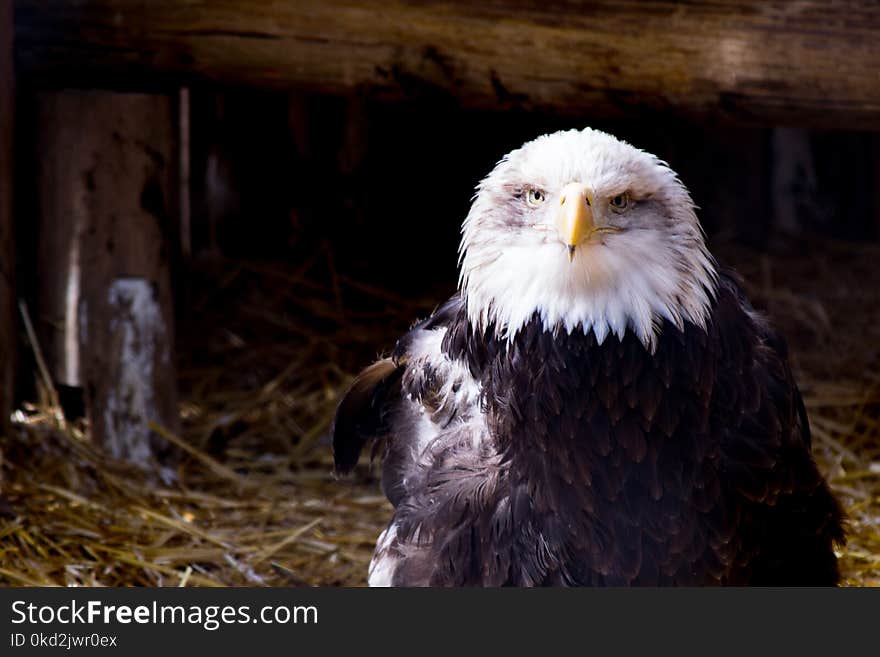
604 464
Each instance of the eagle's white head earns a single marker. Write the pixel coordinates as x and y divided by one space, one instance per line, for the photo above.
590 233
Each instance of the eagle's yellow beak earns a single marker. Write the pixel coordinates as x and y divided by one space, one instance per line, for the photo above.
574 220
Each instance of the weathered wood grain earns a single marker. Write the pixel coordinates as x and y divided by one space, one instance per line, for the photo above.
802 61
108 188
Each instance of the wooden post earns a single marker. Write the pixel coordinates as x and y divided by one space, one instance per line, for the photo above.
107 187
793 180
8 341
184 160
875 161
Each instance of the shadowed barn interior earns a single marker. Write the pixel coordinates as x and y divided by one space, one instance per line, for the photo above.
213 214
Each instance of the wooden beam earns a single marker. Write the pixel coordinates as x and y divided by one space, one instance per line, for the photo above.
108 189
810 62
8 335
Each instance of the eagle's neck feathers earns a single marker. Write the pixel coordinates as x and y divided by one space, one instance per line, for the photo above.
612 294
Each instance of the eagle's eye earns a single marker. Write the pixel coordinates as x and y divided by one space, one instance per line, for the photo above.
619 203
535 197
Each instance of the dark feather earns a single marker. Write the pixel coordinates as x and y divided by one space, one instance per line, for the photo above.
589 464
360 415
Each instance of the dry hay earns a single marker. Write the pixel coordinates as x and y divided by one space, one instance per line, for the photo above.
252 500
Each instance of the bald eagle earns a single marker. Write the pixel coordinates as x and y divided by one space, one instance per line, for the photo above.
599 404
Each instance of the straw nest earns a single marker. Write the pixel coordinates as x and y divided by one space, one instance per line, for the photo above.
252 500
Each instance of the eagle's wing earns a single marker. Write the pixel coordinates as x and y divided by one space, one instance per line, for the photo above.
419 407
788 514
403 403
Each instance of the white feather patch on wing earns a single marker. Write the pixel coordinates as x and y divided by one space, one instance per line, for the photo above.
459 391
384 561
454 413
